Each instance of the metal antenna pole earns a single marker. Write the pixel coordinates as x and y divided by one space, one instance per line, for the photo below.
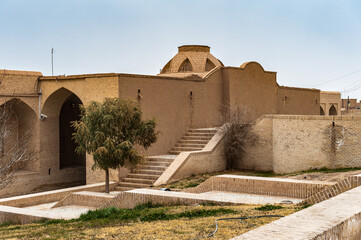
52 61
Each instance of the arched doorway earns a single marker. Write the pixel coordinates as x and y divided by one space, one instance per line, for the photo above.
57 149
321 111
332 111
69 112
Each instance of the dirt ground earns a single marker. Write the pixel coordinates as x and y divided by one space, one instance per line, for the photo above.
324 176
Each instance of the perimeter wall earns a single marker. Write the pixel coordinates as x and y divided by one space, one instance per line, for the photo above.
288 143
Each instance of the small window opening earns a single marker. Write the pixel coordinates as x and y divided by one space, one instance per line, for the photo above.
139 95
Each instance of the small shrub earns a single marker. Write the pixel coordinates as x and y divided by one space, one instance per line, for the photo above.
148 204
269 207
190 185
155 216
306 205
237 133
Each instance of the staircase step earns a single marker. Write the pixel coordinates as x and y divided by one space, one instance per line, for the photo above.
182 141
198 145
160 160
163 158
139 180
118 188
196 138
133 185
156 168
186 149
157 164
199 134
143 176
204 130
147 171
178 152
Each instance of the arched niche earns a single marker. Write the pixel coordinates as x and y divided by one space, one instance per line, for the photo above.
332 110
322 112
20 123
209 65
186 66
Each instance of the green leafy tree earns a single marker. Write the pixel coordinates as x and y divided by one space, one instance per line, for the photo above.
110 131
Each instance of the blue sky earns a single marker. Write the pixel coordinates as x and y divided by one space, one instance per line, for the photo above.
306 42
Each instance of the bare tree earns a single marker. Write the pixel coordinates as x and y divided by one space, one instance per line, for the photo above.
237 132
15 149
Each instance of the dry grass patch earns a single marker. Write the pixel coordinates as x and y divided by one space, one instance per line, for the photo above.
179 228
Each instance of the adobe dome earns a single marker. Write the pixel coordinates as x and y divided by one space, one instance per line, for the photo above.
192 58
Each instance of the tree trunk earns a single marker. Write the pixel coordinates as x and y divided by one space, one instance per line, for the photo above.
107 180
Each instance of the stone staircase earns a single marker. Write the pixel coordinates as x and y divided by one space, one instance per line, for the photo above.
146 174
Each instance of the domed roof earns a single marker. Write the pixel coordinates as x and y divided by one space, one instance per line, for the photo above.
192 59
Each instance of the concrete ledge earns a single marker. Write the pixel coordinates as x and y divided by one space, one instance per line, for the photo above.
85 198
313 117
261 186
50 196
23 216
335 218
132 198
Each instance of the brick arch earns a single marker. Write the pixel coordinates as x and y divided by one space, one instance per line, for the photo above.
61 107
22 121
252 63
332 110
52 104
322 112
209 65
186 66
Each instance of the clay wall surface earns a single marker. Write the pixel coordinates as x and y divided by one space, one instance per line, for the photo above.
307 142
30 181
257 90
328 99
175 110
351 112
18 82
298 101
259 153
251 88
20 88
55 90
352 101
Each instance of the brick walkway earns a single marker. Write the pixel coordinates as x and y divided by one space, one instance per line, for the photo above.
335 218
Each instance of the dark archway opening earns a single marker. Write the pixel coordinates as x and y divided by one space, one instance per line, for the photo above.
332 111
69 112
321 111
